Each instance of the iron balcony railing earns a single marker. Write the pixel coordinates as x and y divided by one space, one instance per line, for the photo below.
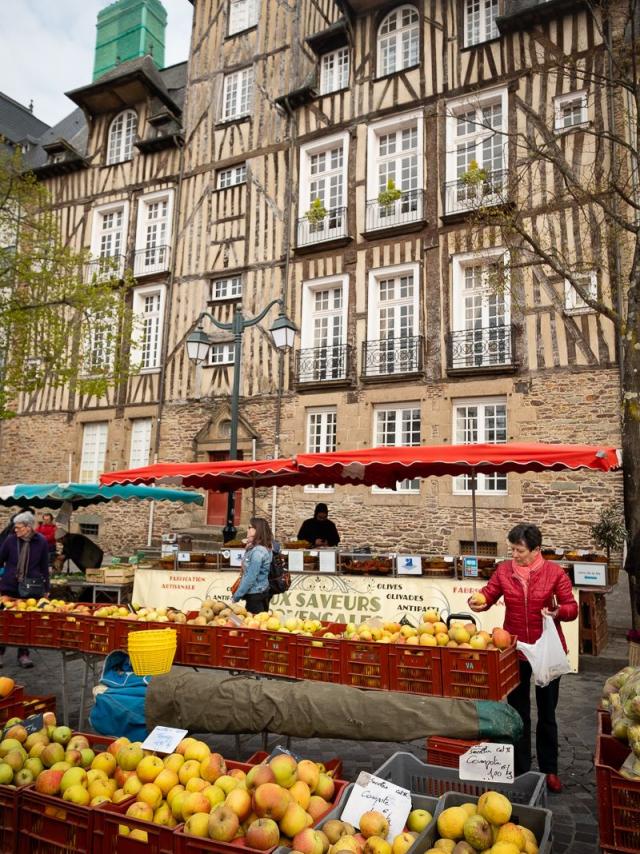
405 210
389 356
463 195
487 347
332 226
105 268
323 364
153 259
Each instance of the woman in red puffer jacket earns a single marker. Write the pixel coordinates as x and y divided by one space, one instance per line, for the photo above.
531 586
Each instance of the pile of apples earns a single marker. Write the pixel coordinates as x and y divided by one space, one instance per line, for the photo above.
373 835
25 757
213 612
44 604
432 631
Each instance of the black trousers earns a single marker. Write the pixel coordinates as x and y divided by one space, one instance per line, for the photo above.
256 603
546 729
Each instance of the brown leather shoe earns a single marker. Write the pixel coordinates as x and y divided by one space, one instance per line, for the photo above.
553 783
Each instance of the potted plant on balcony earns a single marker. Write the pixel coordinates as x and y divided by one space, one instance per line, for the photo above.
390 195
316 213
474 175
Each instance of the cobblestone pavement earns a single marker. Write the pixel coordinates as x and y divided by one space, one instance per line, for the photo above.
575 824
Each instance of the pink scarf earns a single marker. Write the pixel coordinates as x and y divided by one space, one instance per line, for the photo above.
524 572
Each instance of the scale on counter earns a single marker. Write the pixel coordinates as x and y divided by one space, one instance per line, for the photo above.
470 567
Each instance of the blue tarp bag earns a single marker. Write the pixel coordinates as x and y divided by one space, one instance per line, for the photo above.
120 699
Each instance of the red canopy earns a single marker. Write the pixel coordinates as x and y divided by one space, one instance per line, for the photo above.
373 466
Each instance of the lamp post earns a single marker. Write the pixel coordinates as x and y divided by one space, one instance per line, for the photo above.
198 344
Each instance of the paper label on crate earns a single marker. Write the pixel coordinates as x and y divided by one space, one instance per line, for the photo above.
491 763
295 561
164 739
374 793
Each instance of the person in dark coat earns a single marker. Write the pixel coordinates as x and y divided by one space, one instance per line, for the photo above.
320 530
81 550
24 554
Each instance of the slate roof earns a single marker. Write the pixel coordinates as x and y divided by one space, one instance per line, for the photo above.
17 123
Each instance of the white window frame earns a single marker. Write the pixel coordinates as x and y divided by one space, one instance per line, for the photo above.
322 412
309 289
399 66
373 314
573 302
90 344
98 215
124 150
560 101
236 175
243 15
157 256
487 29
236 110
334 71
226 351
459 482
325 143
91 467
230 287
139 440
406 486
139 295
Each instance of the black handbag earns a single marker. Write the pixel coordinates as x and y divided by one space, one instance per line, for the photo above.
31 588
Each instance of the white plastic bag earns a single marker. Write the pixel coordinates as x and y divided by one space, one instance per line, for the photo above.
546 656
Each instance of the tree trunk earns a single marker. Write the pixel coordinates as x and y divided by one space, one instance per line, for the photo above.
631 472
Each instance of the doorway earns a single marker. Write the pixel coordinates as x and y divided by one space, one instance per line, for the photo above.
217 501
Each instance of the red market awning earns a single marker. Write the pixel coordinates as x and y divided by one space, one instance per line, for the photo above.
221 476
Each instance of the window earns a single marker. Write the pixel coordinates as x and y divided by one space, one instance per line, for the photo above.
321 438
109 240
398 40
323 182
570 110
481 324
395 161
237 97
122 134
324 318
334 70
227 288
222 354
476 140
231 176
475 421
94 449
89 529
393 345
140 442
153 236
480 21
398 426
99 341
573 302
242 15
148 307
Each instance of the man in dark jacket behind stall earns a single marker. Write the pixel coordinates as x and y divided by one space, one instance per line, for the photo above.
319 531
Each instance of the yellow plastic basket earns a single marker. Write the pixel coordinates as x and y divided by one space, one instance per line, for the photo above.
152 652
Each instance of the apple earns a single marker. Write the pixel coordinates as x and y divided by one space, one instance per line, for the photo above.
61 735
417 820
227 783
197 825
163 816
166 780
285 770
8 744
501 639
270 801
130 756
349 843
301 793
214 795
377 845
294 820
120 795
333 829
94 774
86 757
116 745
141 811
48 782
173 792
149 768
132 785
23 777
174 762
258 775
239 800
73 757
309 773
184 744
308 841
176 805
325 787
238 774
198 750
34 765
374 823
150 794
78 742
16 759
188 770
36 738
73 777
223 824
194 802
121 776
317 807
17 732
140 835
77 794
49 719
263 833
101 789
105 762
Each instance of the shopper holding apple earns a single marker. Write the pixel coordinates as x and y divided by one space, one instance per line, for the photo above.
531 587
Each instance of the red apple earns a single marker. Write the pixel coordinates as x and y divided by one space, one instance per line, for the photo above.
223 824
270 801
263 833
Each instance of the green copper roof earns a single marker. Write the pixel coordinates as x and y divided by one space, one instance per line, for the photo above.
129 29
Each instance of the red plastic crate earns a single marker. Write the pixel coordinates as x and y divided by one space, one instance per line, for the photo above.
121 628
98 743
365 664
98 634
480 674
39 705
233 648
273 653
45 629
415 669
618 798
47 824
604 722
196 645
16 627
70 631
446 751
333 767
8 819
13 705
107 839
319 659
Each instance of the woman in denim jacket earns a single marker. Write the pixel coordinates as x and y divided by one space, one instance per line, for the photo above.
256 562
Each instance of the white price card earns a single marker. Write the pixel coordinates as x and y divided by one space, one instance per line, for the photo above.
491 763
164 739
409 564
590 574
327 560
235 557
295 560
374 793
184 557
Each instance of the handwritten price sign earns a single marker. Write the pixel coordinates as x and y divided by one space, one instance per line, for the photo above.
374 793
491 763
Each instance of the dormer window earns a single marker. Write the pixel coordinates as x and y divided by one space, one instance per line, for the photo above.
334 70
243 14
398 40
122 134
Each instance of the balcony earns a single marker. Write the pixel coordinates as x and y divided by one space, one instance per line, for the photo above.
332 227
490 349
406 213
329 366
461 197
153 259
105 268
391 357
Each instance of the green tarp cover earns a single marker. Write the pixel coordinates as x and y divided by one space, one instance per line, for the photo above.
218 702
